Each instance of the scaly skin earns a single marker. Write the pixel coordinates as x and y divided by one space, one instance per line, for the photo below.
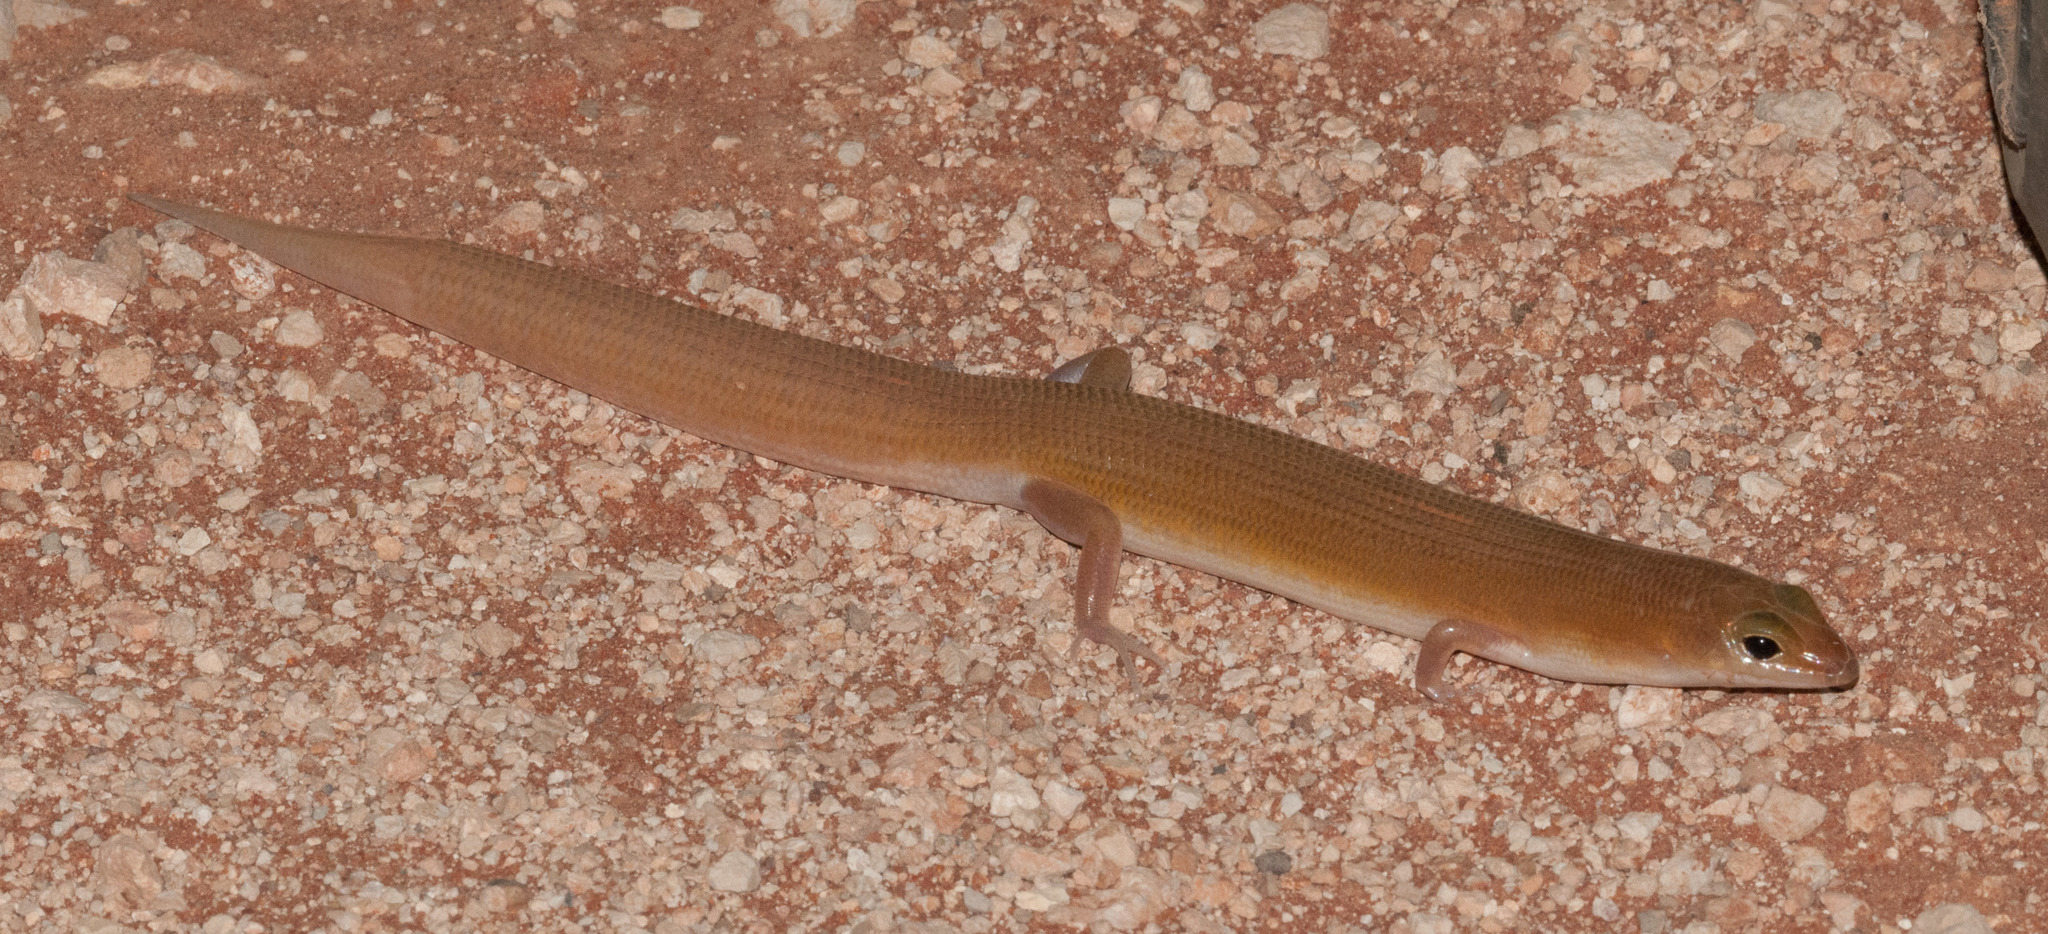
1110 470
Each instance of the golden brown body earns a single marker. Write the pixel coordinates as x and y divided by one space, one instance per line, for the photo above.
1110 470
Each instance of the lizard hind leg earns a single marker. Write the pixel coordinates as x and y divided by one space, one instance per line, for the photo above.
1447 638
1085 521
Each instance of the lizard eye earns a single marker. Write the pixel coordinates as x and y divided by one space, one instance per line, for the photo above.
1763 636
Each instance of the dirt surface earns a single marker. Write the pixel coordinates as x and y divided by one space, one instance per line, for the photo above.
315 621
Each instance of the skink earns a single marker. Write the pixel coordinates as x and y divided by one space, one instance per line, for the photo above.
1109 470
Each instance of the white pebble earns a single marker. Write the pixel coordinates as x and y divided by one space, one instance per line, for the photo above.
724 647
1062 799
734 872
1125 213
298 329
1296 29
1732 336
1761 487
1010 793
1615 151
840 209
1385 657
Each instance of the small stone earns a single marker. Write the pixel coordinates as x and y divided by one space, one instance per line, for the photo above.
1301 285
57 284
1868 807
735 242
177 260
692 220
396 757
1659 291
1195 90
1033 864
495 640
850 153
2019 336
176 68
298 329
210 662
128 872
1987 277
929 51
814 19
1372 218
1732 336
1033 900
724 647
1456 166
1433 374
839 209
1545 493
1577 81
122 249
1178 129
502 896
888 290
1613 152
1761 488
123 367
1008 250
1141 116
242 441
1297 29
1762 12
1804 114
21 328
193 542
521 218
1125 213
54 703
1232 149
1951 918
734 872
1299 397
681 17
1242 214
135 622
1787 815
1983 348
1641 706
1315 192
766 307
1385 657
1010 793
992 33
942 83
1119 21
1639 826
1517 141
1200 338
1062 799
1273 862
252 276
